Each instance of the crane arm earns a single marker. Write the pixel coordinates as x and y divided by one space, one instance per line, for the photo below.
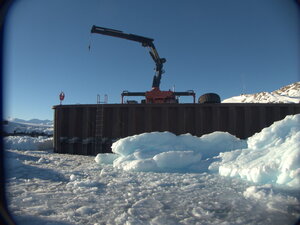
146 42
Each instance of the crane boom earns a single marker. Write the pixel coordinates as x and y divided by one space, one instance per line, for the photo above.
146 42
155 95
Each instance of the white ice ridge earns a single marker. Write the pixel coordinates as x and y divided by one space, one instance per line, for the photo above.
272 156
166 152
269 157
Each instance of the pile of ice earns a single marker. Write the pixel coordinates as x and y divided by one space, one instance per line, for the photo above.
269 157
166 152
272 156
28 143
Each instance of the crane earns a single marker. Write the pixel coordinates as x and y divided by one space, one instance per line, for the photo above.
155 95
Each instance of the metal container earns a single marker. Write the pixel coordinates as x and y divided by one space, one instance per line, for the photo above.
91 129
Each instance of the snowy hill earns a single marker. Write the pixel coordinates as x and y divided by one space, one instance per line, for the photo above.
33 127
32 121
286 94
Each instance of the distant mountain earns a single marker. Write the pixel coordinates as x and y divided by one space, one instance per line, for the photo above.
34 127
286 94
32 121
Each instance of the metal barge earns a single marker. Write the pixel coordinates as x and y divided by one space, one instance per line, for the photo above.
91 129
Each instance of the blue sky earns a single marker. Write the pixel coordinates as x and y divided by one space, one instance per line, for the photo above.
227 47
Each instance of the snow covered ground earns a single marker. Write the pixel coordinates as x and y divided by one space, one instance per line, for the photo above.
286 94
30 127
160 178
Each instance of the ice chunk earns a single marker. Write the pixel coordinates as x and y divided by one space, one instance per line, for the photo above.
72 177
148 145
164 220
84 210
276 134
166 152
269 157
146 142
212 144
273 201
142 165
146 209
106 158
272 156
176 159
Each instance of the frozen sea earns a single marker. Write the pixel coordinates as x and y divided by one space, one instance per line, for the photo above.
254 181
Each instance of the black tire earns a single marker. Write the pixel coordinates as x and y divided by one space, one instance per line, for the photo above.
209 98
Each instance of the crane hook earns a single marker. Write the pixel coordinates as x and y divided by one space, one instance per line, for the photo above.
89 47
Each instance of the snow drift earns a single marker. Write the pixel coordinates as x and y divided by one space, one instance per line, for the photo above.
269 157
166 152
28 143
272 156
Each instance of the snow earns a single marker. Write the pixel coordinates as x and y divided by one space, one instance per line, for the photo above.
48 188
273 201
30 127
32 121
166 152
287 94
269 157
272 156
28 143
105 158
160 178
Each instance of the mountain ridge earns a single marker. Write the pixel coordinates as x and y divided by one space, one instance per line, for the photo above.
286 94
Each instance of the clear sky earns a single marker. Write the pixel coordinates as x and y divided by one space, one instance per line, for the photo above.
227 47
